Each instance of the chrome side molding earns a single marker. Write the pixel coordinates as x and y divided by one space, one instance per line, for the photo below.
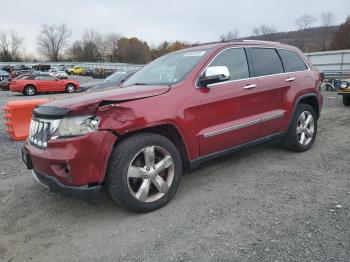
243 125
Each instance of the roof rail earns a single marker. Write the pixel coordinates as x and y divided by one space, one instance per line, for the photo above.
251 40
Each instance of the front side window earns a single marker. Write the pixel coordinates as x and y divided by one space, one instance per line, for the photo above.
291 61
168 69
44 78
266 61
235 60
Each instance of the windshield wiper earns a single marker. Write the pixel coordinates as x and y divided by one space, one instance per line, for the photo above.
135 84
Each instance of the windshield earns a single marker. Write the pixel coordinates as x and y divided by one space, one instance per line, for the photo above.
167 70
115 77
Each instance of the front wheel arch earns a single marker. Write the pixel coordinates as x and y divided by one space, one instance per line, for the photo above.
169 131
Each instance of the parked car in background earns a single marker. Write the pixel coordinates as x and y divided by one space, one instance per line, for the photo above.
32 84
178 111
5 84
58 74
4 75
113 80
87 72
42 68
344 90
77 70
102 72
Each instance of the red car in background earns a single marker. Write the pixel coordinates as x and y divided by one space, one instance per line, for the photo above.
32 84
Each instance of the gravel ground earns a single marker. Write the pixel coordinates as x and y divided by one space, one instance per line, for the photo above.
261 204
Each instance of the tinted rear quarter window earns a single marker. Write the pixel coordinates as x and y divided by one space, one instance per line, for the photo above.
235 60
266 61
291 61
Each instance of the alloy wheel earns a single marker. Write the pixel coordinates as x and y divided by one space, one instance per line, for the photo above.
305 128
30 91
150 174
70 89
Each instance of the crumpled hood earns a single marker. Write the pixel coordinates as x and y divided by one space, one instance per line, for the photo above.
86 103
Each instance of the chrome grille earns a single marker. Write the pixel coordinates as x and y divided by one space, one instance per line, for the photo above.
42 130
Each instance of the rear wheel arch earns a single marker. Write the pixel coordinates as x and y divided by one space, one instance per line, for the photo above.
312 101
70 84
309 99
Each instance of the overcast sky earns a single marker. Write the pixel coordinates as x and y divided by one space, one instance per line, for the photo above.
157 20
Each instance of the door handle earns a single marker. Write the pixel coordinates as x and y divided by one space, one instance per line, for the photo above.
290 79
250 86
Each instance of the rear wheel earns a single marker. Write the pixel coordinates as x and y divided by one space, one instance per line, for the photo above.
346 100
70 88
303 129
144 172
29 91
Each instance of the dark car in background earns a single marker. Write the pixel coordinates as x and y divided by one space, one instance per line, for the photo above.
4 75
102 72
113 80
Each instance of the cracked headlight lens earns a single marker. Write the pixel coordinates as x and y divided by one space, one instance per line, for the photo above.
77 126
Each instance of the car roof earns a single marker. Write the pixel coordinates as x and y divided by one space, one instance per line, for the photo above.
243 43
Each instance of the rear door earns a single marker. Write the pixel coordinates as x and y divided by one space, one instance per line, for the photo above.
227 113
269 72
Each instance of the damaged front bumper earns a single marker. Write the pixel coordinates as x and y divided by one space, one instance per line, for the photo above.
89 194
75 167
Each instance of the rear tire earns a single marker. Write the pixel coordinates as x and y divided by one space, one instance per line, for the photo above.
144 172
346 100
302 130
70 88
29 90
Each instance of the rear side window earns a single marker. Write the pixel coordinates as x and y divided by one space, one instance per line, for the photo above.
266 61
291 61
236 61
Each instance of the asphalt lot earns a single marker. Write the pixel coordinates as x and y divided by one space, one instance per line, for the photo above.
261 204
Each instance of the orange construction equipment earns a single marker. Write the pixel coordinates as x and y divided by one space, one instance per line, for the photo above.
18 115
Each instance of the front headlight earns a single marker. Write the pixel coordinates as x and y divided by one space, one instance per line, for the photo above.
77 125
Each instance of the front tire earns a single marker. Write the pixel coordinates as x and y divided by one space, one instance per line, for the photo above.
302 130
29 91
144 172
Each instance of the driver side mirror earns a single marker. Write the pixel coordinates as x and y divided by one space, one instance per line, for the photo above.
214 74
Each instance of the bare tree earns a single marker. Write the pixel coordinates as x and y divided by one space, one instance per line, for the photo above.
305 21
10 42
52 40
341 38
264 30
327 19
111 47
229 36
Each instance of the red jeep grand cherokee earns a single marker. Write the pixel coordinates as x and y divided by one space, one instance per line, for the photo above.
178 111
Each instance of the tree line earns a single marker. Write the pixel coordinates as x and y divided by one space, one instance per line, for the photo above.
325 39
54 42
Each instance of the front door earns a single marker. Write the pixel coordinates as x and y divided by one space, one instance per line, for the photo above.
227 113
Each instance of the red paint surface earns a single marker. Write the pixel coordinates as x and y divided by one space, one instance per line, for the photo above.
192 111
42 85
